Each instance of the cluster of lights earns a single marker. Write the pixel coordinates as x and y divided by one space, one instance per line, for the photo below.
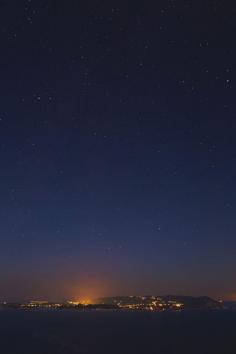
135 303
156 304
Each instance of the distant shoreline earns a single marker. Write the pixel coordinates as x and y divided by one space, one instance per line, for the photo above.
128 303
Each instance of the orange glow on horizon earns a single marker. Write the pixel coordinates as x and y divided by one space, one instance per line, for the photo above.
87 292
81 302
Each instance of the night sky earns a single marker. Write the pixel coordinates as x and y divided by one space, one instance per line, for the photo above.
117 148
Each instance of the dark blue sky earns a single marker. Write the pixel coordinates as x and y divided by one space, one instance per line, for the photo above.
117 148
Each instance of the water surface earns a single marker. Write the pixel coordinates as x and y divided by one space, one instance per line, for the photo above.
117 332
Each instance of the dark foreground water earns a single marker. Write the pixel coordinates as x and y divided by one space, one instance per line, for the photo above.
104 332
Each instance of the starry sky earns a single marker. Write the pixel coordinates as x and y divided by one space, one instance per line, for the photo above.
117 148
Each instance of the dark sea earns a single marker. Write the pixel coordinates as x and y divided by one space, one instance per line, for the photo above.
117 332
